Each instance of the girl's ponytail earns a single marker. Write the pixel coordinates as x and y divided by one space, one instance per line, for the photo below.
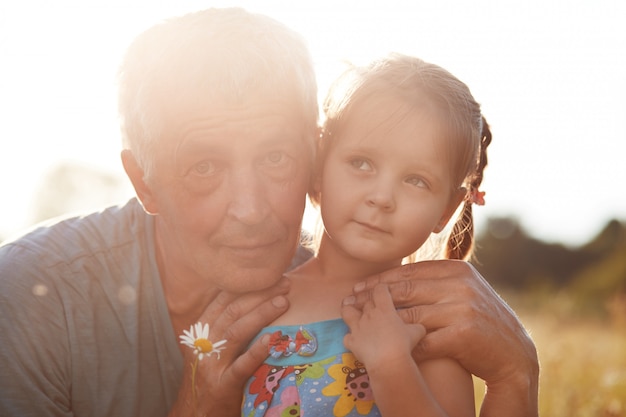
461 241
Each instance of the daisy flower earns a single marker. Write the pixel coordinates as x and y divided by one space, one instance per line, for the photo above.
197 338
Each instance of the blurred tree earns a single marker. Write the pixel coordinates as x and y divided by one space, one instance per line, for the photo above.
511 258
604 280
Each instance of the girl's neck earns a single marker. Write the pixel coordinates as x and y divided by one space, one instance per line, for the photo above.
319 285
336 264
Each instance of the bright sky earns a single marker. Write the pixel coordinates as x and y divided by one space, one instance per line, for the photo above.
551 76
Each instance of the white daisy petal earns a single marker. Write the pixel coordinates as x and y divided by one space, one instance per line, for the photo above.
199 331
218 344
198 327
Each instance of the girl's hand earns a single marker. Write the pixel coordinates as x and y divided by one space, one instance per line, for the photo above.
378 335
469 322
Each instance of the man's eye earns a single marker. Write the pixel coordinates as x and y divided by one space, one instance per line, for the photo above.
361 164
275 157
203 168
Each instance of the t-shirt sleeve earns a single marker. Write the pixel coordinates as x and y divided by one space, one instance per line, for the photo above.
34 350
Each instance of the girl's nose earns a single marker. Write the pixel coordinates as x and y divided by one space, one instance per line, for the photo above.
381 197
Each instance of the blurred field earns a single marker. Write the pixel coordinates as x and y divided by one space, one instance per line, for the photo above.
582 356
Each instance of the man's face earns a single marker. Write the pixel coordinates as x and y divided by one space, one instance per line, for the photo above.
229 193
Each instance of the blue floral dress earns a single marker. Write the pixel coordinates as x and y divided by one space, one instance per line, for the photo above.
309 373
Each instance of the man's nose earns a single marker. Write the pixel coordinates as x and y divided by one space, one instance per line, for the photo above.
248 202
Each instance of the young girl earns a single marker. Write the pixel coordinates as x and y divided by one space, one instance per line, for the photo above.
404 143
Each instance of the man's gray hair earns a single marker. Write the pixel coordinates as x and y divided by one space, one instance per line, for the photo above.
226 56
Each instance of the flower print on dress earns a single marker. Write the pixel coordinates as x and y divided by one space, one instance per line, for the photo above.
266 381
352 385
304 344
289 405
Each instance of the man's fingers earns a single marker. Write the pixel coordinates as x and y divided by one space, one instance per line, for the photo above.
217 306
237 305
244 366
445 333
427 282
417 270
436 344
239 333
406 293
436 316
402 273
449 342
416 332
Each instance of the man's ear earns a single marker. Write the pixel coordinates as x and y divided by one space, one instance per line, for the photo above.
455 199
136 175
315 184
314 188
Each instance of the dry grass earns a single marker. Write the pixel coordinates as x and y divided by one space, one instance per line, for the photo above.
583 359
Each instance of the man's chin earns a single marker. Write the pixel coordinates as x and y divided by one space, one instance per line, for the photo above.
252 279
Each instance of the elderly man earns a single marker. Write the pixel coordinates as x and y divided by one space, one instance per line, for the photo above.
219 117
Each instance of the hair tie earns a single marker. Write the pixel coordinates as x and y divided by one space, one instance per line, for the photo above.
477 197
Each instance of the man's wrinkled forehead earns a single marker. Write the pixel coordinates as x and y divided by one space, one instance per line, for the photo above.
236 116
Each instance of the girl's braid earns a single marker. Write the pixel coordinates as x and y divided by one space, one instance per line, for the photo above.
461 241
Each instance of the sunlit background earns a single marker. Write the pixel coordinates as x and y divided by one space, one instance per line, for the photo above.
549 74
551 77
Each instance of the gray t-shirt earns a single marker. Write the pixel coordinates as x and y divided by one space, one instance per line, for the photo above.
84 326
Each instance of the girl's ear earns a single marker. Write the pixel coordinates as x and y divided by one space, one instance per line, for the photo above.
136 175
455 200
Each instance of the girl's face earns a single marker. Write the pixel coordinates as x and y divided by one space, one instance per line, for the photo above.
386 184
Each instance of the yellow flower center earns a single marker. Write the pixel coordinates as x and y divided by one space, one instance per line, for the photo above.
203 345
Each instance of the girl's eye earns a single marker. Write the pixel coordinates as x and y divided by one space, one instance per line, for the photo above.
417 182
361 164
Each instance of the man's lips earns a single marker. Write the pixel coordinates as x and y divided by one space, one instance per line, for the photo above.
251 248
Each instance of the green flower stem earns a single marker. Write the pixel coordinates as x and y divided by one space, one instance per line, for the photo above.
194 398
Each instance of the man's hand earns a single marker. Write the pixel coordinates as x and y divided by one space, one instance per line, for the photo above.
220 382
466 320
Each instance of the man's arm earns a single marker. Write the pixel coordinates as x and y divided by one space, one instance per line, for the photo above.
33 340
468 321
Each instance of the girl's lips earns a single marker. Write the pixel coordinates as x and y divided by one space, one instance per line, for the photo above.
370 227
